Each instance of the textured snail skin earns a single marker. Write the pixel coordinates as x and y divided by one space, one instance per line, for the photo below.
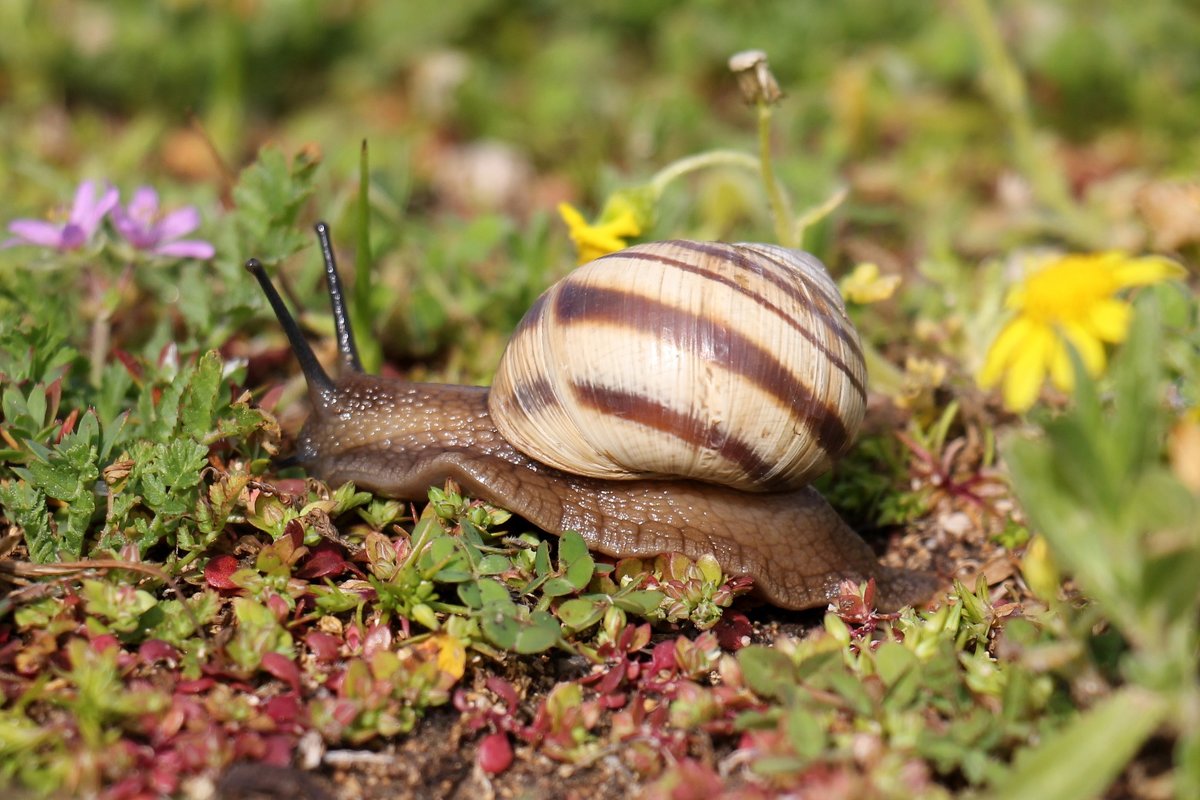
398 438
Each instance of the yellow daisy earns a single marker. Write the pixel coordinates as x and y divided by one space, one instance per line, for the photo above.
1070 299
603 237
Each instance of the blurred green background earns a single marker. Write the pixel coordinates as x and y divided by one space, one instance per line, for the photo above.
575 89
482 115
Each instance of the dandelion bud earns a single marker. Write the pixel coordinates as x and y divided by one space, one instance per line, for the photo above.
754 77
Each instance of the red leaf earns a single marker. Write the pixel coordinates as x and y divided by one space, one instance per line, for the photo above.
614 700
325 561
379 637
218 570
104 642
733 631
295 530
282 668
283 708
662 659
278 606
279 750
504 690
130 363
495 753
194 686
293 486
325 647
68 425
153 650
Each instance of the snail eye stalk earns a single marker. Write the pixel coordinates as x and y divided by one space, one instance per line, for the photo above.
320 385
337 301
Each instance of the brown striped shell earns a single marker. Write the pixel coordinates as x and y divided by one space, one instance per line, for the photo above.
729 363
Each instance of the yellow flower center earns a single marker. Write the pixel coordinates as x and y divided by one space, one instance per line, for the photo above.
1067 290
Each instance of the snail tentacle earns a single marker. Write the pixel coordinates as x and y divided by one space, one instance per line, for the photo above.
320 386
337 301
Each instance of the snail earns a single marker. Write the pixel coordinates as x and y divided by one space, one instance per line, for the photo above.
672 397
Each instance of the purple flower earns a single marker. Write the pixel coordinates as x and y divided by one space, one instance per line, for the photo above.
141 224
86 215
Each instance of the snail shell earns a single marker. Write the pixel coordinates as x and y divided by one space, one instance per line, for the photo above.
732 364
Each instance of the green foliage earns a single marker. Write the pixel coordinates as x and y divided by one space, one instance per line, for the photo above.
1113 514
270 195
928 685
152 465
258 632
66 473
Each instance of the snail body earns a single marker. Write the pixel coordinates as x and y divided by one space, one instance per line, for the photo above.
661 414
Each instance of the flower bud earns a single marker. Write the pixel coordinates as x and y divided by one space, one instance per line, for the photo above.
754 77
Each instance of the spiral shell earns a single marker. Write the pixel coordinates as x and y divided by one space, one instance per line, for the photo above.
728 363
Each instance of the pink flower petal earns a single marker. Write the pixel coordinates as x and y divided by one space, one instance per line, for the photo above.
35 232
179 222
73 237
144 205
88 211
130 230
85 196
186 248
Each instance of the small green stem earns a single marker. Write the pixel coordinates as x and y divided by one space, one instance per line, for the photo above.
710 158
780 207
98 351
1005 86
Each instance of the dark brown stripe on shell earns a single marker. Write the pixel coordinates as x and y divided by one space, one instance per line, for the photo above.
834 358
692 333
534 396
814 295
685 427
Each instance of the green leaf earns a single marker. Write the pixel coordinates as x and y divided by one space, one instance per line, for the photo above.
493 564
515 628
492 591
199 402
893 661
1081 760
26 506
579 572
557 587
445 561
579 613
541 559
539 634
768 672
805 731
269 196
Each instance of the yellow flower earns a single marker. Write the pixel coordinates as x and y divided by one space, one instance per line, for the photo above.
603 237
451 654
1071 299
1039 570
865 284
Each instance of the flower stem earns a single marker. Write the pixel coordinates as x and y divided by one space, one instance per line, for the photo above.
98 351
1005 86
710 158
780 207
